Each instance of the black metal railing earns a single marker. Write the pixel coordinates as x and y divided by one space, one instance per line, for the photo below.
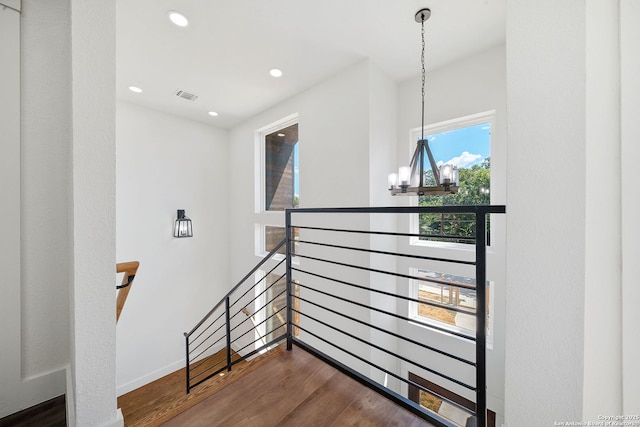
237 328
354 299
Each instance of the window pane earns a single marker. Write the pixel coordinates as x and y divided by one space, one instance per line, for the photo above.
275 235
275 306
281 169
467 148
446 296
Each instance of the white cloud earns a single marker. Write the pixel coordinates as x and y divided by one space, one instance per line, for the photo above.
463 160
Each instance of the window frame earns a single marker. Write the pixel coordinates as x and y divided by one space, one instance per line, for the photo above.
414 312
415 134
261 158
263 217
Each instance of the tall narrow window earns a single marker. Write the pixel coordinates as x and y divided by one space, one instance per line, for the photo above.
281 169
466 144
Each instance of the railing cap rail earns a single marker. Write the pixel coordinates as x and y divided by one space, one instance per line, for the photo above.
472 209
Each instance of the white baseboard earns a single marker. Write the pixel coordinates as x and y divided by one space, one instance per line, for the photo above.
146 379
118 422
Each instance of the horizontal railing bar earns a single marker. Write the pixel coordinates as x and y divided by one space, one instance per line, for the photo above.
249 274
205 370
389 273
387 233
240 359
261 337
256 283
206 338
205 329
474 209
411 406
208 376
266 304
256 297
417 301
384 350
412 341
255 327
203 351
362 359
426 325
372 251
271 343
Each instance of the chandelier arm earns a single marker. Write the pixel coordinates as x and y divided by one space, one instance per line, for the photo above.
421 160
414 161
434 167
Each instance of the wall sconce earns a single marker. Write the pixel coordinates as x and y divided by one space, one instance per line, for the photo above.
183 226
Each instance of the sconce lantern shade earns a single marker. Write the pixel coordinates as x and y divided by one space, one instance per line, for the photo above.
183 226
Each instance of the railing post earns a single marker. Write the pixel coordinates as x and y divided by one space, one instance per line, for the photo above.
288 251
228 322
481 317
187 368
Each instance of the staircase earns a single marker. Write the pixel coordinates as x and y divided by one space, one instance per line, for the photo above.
345 292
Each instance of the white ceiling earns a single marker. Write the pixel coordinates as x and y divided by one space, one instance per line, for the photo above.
225 53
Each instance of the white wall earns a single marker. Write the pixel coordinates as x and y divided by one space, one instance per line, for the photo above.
472 85
333 132
563 268
34 188
630 150
91 387
383 110
338 152
165 163
45 180
603 278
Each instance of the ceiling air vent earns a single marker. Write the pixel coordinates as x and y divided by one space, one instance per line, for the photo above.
186 95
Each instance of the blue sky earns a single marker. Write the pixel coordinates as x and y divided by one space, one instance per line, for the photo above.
462 147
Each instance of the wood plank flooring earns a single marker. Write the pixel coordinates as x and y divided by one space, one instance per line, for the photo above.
52 413
164 398
295 389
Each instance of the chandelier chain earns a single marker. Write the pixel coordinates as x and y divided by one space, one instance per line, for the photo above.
423 79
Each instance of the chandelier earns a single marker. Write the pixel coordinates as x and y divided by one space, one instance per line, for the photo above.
410 180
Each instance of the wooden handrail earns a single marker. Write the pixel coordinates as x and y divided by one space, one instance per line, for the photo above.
129 269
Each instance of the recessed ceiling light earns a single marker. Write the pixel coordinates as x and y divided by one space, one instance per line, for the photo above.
281 134
135 89
213 113
275 72
177 18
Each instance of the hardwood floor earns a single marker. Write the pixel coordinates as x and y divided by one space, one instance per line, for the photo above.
164 398
52 413
295 389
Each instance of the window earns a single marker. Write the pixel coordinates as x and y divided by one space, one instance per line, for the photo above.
444 402
270 306
277 183
448 305
275 235
466 144
281 169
